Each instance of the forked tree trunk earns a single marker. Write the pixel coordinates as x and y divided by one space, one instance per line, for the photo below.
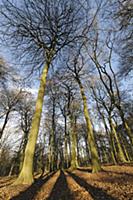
124 147
96 166
26 174
110 142
120 150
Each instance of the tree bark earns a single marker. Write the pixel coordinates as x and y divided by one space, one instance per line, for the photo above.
96 166
120 150
74 161
26 174
66 144
5 123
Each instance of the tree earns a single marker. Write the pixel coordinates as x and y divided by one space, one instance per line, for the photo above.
9 100
107 75
122 27
125 20
99 96
42 29
75 65
24 108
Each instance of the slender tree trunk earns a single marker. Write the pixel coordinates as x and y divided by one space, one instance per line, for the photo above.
78 151
120 150
96 166
124 148
128 130
26 174
66 145
53 138
5 123
119 107
111 145
113 148
52 152
49 154
110 141
87 150
74 161
104 156
11 169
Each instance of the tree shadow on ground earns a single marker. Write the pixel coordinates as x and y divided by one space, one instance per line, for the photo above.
95 192
30 192
84 170
60 189
117 177
119 173
6 182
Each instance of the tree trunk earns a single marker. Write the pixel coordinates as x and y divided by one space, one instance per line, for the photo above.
120 150
66 144
11 169
124 149
74 161
26 174
5 123
110 141
128 130
96 166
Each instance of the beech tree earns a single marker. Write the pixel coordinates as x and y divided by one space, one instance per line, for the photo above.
39 30
24 108
124 20
99 96
76 64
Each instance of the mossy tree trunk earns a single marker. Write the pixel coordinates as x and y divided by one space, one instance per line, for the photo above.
96 166
110 141
121 155
128 130
26 174
73 136
124 147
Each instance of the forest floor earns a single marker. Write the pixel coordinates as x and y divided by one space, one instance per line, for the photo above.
114 182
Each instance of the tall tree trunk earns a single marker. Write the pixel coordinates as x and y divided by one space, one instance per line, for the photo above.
66 144
110 141
26 174
113 148
127 128
74 161
120 150
124 147
96 166
11 169
88 161
49 154
52 141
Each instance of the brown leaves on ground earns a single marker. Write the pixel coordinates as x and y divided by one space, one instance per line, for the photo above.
114 182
